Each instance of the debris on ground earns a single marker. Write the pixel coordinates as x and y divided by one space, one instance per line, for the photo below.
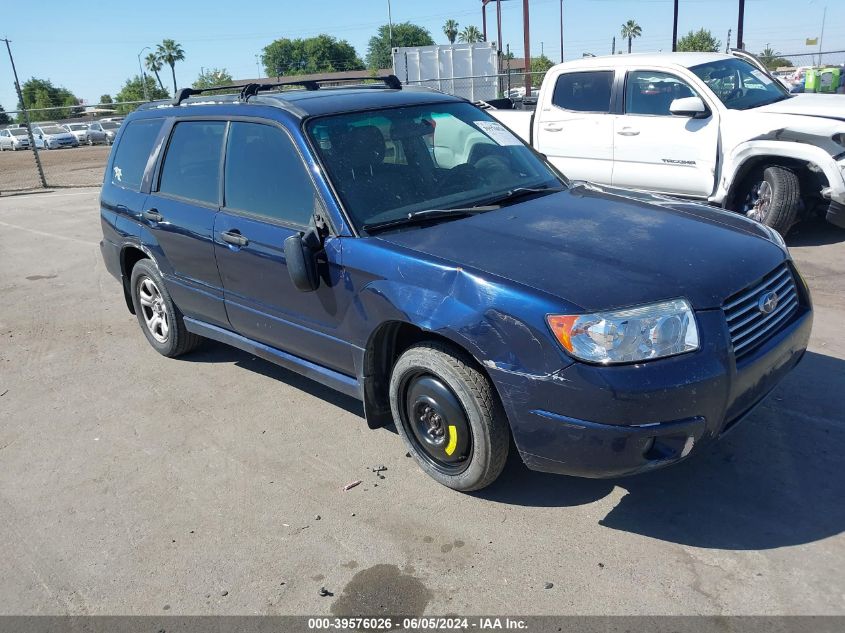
4 393
352 484
601 565
548 585
378 469
325 592
408 454
317 517
224 593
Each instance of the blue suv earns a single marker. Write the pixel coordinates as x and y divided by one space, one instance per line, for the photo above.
404 248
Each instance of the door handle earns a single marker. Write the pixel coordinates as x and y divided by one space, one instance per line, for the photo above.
628 131
153 215
122 208
551 127
234 238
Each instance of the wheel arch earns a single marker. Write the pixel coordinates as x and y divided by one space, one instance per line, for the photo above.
384 347
130 255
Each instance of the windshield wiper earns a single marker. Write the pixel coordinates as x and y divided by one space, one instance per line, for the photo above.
425 215
521 192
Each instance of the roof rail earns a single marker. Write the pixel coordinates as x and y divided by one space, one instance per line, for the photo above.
252 89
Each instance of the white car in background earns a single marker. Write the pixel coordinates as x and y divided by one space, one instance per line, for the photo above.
14 139
53 137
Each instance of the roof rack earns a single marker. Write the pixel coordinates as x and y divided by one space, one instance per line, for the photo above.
252 89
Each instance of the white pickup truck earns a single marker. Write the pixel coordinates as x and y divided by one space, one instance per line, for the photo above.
705 126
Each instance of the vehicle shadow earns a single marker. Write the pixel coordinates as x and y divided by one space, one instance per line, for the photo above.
214 352
815 232
776 480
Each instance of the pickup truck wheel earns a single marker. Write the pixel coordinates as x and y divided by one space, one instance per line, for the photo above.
160 319
773 197
449 417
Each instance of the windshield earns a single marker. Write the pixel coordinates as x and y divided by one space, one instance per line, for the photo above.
76 127
386 164
18 132
53 129
108 125
739 85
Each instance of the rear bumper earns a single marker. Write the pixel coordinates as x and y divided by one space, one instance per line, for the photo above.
593 421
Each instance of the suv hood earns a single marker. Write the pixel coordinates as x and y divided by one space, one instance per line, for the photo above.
601 251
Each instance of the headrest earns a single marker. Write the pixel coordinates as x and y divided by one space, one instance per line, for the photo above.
363 146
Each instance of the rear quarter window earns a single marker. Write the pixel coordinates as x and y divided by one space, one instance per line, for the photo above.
133 151
584 91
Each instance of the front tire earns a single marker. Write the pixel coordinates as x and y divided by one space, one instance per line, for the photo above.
772 196
159 318
449 416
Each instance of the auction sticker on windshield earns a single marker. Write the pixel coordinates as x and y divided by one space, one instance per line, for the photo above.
497 132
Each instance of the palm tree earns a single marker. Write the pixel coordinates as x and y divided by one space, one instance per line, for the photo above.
170 52
470 35
153 64
450 29
631 30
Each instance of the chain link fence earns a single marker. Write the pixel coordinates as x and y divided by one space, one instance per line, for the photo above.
67 151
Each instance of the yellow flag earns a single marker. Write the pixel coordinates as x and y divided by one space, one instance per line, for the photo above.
812 41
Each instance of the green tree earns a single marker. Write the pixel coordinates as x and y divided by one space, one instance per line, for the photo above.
450 30
320 54
4 118
701 40
170 52
379 53
540 65
133 90
631 30
153 63
212 77
772 60
41 93
106 98
471 35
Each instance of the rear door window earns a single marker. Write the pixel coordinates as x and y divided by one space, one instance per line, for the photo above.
130 158
584 91
191 167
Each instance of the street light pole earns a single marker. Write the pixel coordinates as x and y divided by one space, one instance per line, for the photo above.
390 27
740 44
143 74
675 29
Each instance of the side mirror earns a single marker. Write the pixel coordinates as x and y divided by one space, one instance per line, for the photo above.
690 107
301 254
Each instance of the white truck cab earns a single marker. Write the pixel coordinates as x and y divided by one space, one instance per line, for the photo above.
706 126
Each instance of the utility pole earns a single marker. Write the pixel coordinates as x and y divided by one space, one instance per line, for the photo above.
675 29
739 43
257 66
527 44
821 37
499 25
390 27
613 46
26 118
728 45
561 31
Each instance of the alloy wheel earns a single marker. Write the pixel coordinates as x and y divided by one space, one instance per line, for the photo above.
758 201
154 309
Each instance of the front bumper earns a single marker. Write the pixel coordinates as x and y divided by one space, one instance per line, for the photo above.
608 421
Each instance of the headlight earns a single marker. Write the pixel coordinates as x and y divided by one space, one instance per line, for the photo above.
624 336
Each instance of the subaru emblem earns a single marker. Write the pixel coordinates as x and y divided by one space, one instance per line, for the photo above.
768 302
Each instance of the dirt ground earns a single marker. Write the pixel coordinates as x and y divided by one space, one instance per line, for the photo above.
71 167
213 484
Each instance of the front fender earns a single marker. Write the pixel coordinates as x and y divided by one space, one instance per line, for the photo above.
818 155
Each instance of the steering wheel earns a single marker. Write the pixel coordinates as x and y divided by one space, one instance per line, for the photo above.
456 179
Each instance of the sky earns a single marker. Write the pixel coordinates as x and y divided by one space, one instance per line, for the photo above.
92 49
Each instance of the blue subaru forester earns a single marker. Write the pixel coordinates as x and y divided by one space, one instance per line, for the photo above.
403 247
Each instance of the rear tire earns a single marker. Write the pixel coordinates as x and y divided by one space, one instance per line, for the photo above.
772 196
159 318
441 401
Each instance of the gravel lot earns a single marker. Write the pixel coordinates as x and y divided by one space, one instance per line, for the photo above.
134 484
73 167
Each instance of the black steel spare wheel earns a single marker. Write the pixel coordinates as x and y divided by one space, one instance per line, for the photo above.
438 423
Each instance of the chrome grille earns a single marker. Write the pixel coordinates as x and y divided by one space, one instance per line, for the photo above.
748 325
